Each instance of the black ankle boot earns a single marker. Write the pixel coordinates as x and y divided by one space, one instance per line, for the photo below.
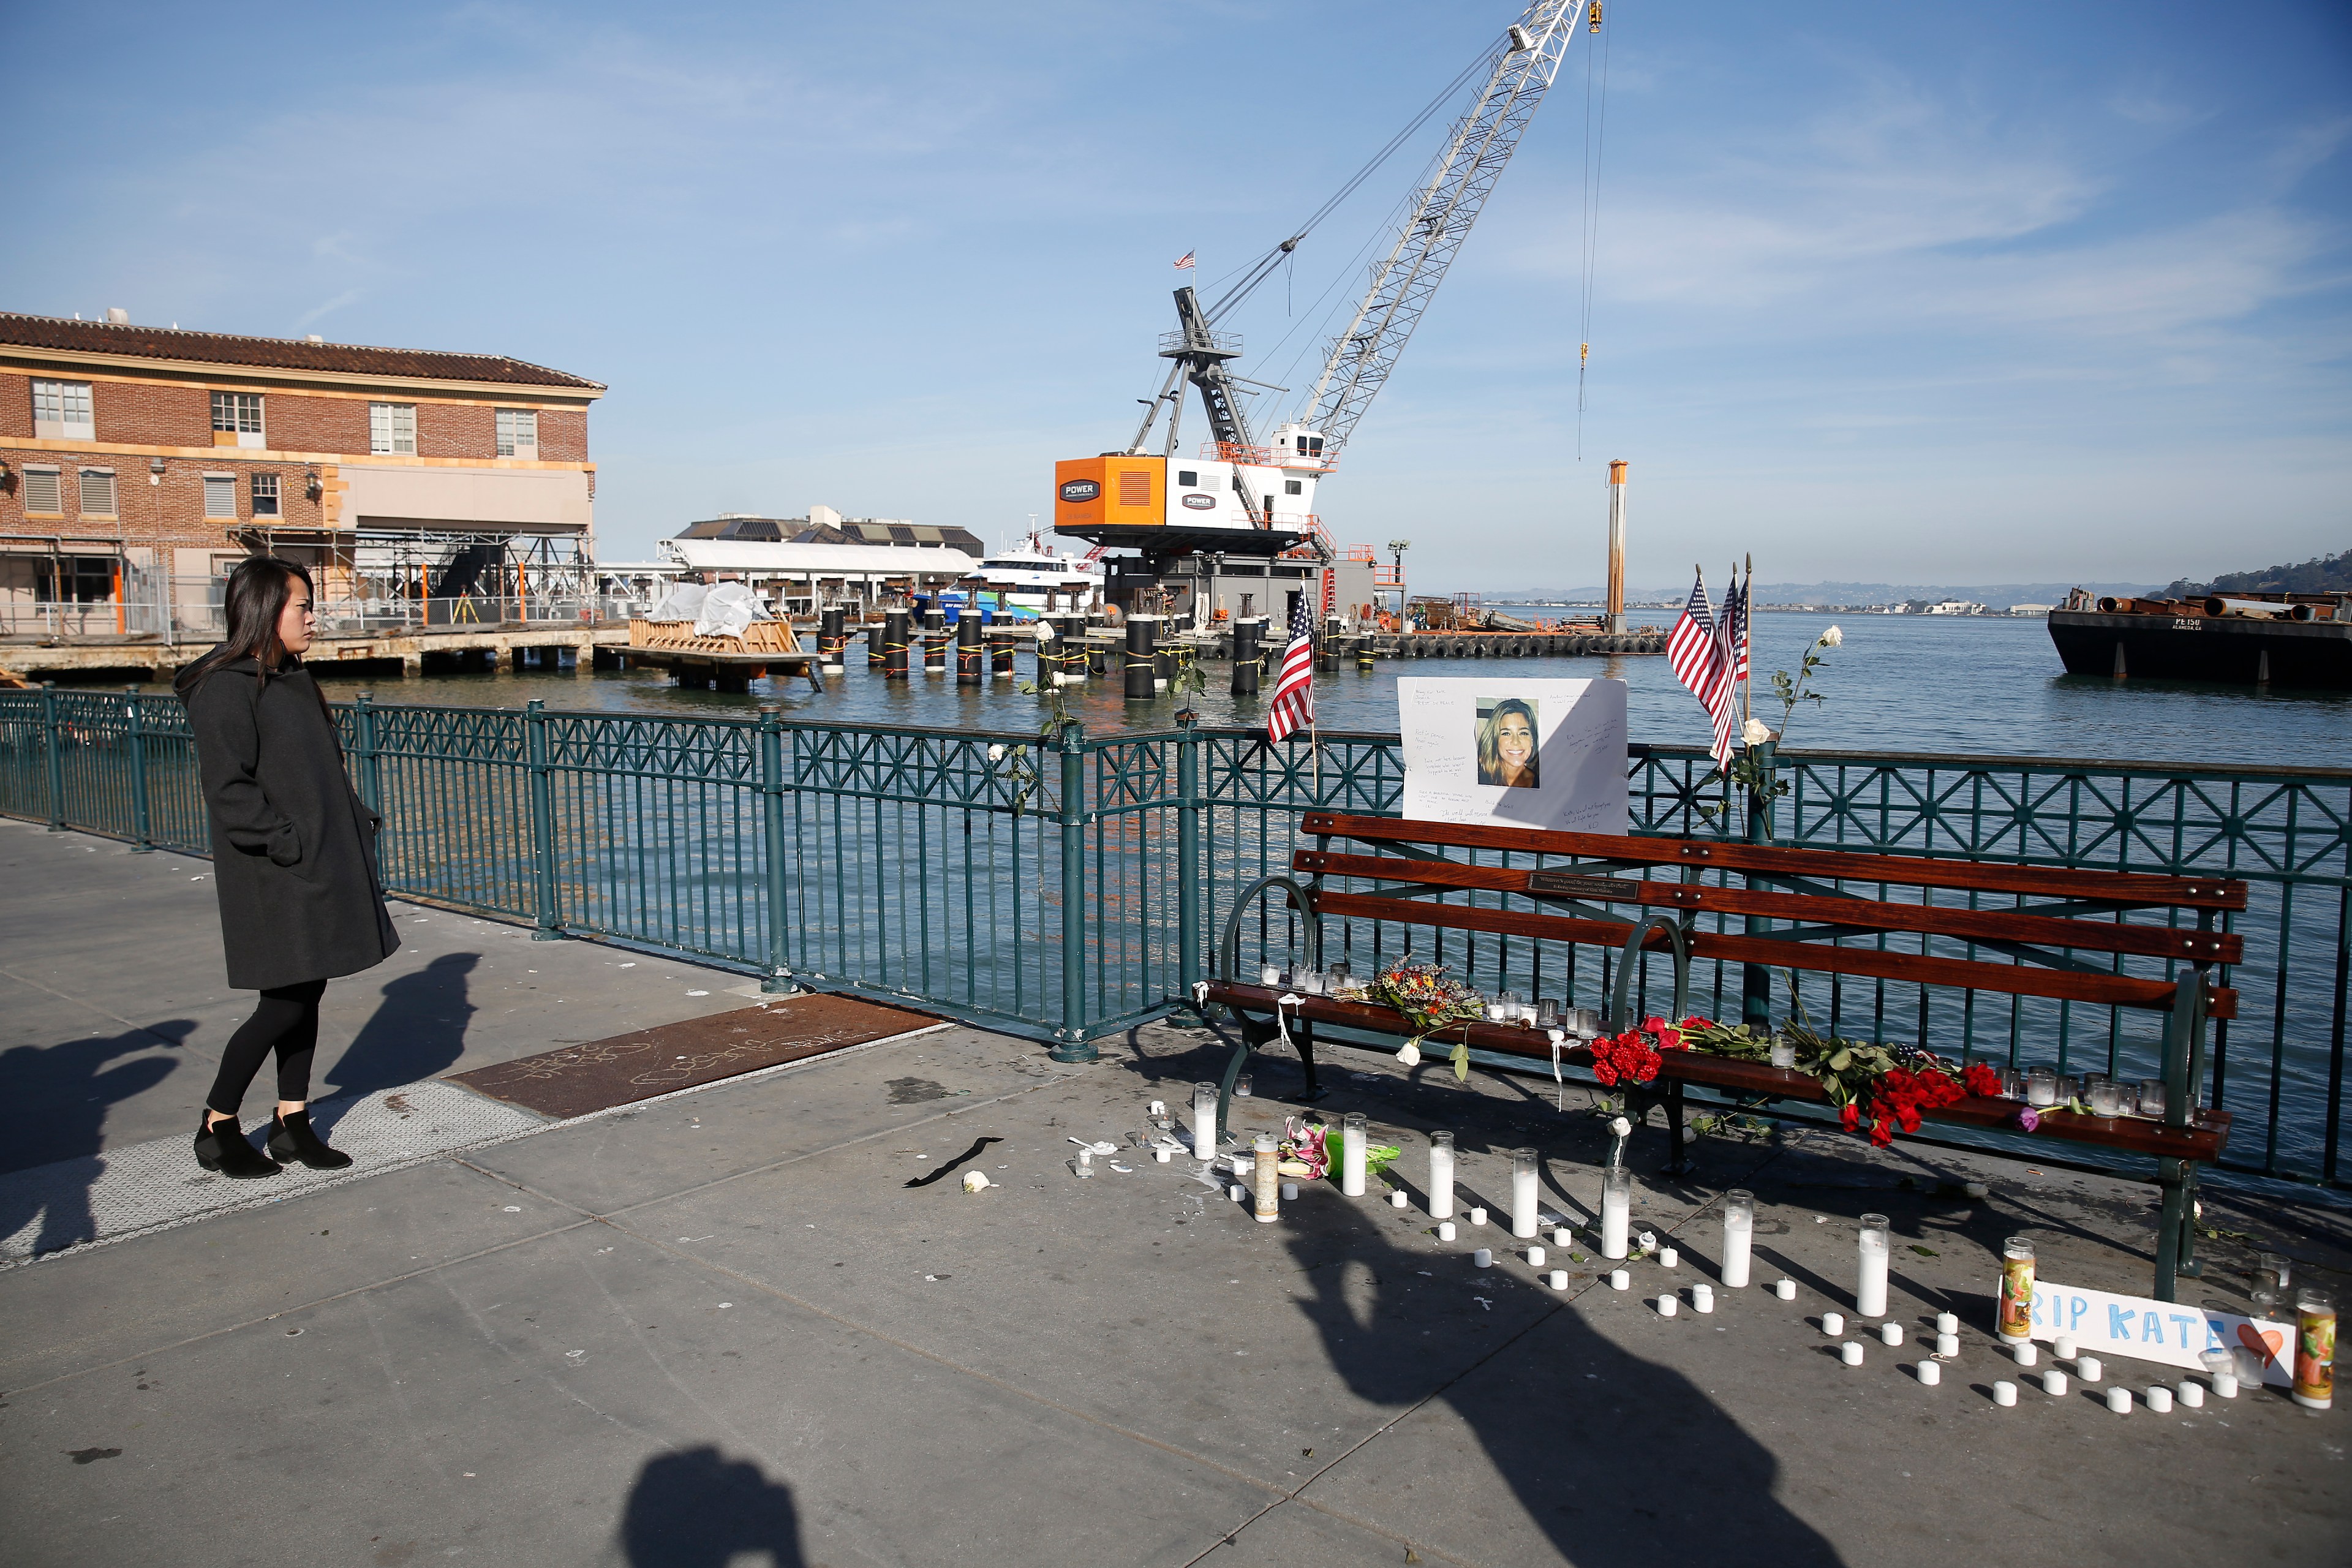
222 1147
290 1138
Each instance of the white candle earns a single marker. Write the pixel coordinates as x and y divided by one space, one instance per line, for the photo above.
1739 1234
2063 1347
1890 1333
2159 1400
1947 1344
1523 1193
1484 1258
1397 1199
1477 1216
1850 1352
1559 1279
2054 1383
1616 1210
2192 1395
2087 1368
1289 1190
1785 1289
1668 1305
1441 1175
1669 1257
1703 1297
1204 1121
1832 1324
1241 1192
1930 1374
1948 1323
2119 1400
2225 1385
1561 1236
1534 1258
2004 1393
1869 1292
1446 1230
1163 1153
1358 1129
1621 1279
2027 1353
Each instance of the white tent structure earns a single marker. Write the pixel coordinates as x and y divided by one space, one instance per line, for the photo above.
798 578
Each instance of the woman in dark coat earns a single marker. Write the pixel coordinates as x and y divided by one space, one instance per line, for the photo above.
293 857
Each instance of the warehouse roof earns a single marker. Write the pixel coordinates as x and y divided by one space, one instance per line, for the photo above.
122 338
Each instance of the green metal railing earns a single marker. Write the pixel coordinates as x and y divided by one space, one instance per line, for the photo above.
1068 890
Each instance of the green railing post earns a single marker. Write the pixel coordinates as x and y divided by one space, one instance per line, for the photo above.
542 822
778 981
1755 979
369 782
1070 1042
143 838
1188 857
56 763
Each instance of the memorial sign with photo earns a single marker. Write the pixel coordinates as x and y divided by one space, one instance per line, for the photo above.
1530 753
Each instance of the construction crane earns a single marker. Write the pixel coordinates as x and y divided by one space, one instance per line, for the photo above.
1238 496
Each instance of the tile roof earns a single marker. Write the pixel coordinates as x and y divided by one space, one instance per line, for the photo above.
275 353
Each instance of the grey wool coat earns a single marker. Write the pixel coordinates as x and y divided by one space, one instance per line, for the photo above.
293 847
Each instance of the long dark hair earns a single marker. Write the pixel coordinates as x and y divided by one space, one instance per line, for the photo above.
258 591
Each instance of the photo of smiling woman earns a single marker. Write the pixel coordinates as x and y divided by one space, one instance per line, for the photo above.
1506 741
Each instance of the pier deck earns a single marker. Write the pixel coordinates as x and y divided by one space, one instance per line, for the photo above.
726 1322
476 647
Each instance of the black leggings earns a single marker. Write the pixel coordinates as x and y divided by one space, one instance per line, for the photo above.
286 1020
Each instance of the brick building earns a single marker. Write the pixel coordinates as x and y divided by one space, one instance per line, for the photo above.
139 464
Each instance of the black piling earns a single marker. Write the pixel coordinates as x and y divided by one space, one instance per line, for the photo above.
968 654
935 640
895 632
1000 653
832 639
1246 657
1142 631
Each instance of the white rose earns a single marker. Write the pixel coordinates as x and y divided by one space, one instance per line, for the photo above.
1044 631
1754 732
1832 637
1619 1126
995 754
1410 1055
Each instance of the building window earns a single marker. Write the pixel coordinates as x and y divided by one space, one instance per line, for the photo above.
220 495
1188 477
392 429
62 412
98 492
77 580
44 492
518 433
1293 488
237 419
265 495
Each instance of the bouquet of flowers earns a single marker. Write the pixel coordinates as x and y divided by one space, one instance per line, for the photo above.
1883 1087
1429 1001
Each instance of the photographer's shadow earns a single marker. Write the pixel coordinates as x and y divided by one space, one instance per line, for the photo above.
696 1509
1618 1460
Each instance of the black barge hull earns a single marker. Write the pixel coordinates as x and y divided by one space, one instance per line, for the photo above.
2239 650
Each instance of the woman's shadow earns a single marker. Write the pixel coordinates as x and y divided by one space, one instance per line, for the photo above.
417 1032
1603 1448
696 1509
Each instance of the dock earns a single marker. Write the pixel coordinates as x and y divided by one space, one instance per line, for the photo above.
408 650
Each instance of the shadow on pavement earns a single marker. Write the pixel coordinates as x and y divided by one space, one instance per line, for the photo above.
60 1096
1587 1471
416 1032
694 1508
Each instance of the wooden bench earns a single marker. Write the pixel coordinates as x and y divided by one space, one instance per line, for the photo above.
1564 893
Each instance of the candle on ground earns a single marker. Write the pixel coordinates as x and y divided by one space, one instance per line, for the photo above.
1703 1297
1266 1181
1930 1374
1832 1324
1164 1155
1785 1289
2087 1368
2159 1400
1241 1192
2013 1319
1397 1199
1523 1193
2053 1382
1441 1175
1204 1121
2225 1385
1358 1129
2192 1395
2119 1400
1870 1290
1484 1258
2004 1393
2063 1347
1559 1279
1739 1234
1534 1258
1616 1208
1669 1305
1948 1323
1947 1344
1446 1230
1669 1257
1890 1333
2027 1353
1621 1279
1850 1352
1561 1236
1289 1190
1478 1216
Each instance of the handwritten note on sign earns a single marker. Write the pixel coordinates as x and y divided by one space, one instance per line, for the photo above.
2105 1325
1513 752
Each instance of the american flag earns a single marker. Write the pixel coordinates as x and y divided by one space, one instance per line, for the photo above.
1185 260
1735 610
1293 707
1697 655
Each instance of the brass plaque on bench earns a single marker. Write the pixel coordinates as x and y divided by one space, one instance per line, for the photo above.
1576 885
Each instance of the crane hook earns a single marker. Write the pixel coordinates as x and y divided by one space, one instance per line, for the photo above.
1594 17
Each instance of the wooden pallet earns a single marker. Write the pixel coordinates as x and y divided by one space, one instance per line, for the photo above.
678 637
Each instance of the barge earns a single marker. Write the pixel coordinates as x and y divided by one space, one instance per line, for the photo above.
2262 639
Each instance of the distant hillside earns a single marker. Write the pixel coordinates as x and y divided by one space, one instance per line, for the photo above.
2320 574
1841 595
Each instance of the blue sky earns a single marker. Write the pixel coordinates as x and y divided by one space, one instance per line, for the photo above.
2009 292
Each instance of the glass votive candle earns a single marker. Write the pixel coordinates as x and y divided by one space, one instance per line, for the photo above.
1307 982
2068 1088
2272 1273
2151 1097
1510 1002
2041 1087
2091 1081
1587 1021
2012 1083
1784 1052
1338 977
1245 1087
1269 974
2106 1099
1546 1013
1497 1011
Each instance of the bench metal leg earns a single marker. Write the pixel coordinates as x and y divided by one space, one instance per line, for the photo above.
1303 1037
2190 1264
1225 1091
2172 1228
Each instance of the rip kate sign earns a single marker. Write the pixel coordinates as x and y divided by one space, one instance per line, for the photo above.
2167 1332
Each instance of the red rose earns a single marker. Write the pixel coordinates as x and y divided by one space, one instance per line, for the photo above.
1983 1081
1850 1114
1908 1116
1695 1022
1882 1133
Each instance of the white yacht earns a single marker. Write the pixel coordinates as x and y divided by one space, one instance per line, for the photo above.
1033 576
